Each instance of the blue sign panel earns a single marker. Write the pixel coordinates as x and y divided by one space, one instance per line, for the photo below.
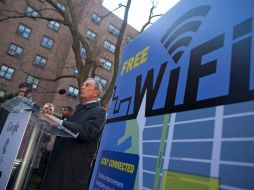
116 171
196 56
184 99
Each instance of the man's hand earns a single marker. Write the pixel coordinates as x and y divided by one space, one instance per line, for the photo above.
49 119
55 119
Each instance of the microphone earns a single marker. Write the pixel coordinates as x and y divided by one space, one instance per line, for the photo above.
61 91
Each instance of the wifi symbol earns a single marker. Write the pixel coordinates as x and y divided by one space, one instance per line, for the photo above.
180 33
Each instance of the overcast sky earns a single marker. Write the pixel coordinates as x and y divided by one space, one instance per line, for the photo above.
139 10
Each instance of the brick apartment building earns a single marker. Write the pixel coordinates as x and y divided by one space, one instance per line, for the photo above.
31 49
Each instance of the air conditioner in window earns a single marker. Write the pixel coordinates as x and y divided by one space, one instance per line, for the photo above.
11 52
101 64
88 37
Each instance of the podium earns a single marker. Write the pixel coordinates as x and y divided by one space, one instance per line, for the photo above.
21 128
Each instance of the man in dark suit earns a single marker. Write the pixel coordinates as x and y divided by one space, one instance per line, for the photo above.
70 163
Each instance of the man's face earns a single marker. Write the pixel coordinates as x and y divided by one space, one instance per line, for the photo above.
22 91
66 112
88 91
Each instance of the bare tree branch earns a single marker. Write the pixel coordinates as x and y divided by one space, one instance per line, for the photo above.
47 79
119 6
61 12
109 92
151 16
60 77
69 18
13 14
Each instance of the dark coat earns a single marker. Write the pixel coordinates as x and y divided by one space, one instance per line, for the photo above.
3 117
70 163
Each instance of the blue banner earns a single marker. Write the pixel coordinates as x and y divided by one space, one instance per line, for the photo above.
116 171
184 99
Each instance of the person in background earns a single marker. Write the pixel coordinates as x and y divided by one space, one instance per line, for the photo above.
67 111
42 154
48 108
23 89
29 93
70 162
48 144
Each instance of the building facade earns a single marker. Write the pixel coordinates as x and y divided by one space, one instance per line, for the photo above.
33 49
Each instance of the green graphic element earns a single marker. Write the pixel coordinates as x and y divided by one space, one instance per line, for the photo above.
132 130
180 181
161 151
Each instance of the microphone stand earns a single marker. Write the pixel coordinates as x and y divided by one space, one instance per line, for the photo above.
61 91
46 89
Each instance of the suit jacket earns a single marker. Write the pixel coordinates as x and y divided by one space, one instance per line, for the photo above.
70 163
3 117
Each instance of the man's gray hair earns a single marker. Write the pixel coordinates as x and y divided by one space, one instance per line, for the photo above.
98 86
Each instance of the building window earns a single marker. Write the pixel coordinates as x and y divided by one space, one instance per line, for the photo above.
15 50
6 72
31 12
106 64
73 92
101 80
47 42
60 6
2 93
24 31
83 53
41 61
129 39
113 30
75 71
54 25
96 18
33 81
90 35
109 46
